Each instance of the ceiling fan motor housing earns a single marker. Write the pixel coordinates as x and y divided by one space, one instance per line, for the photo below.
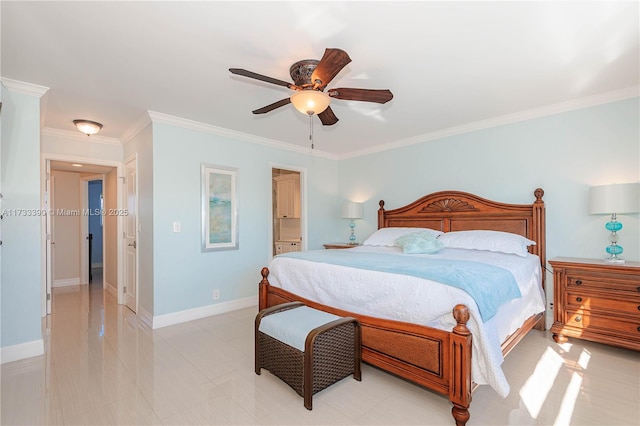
301 72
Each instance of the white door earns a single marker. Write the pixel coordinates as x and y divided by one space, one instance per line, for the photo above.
50 241
131 237
85 268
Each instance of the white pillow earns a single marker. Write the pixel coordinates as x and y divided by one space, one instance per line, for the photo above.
504 242
388 236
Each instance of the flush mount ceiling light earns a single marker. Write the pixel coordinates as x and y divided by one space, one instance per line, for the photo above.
88 127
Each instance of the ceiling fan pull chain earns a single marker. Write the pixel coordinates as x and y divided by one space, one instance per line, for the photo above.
311 129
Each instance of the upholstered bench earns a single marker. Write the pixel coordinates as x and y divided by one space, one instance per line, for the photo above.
308 349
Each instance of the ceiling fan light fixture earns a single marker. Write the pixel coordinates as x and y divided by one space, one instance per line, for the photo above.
87 127
310 102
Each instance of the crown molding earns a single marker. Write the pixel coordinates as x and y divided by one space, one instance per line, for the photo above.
67 134
158 117
558 108
140 124
23 88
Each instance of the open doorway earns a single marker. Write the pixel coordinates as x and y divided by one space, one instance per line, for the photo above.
95 235
287 210
81 239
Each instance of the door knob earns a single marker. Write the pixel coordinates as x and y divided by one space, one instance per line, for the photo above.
132 244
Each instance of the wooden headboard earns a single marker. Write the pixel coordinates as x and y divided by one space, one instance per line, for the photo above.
460 211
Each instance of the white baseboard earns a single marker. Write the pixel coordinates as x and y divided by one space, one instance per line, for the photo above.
112 290
21 351
66 282
202 312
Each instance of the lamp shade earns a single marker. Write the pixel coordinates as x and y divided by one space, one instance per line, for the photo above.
310 101
351 210
614 198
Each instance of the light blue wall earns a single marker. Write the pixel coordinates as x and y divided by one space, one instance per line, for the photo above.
564 154
184 277
20 252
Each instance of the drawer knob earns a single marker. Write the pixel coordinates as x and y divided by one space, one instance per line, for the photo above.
579 299
638 328
578 318
579 282
639 307
638 289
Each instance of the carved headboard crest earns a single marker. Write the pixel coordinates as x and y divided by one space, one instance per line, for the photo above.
448 205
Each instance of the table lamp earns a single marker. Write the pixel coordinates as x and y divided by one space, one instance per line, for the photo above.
352 211
614 199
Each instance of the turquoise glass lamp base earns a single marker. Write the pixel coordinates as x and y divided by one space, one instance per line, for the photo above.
352 237
614 250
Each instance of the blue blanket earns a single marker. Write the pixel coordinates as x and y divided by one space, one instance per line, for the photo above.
490 286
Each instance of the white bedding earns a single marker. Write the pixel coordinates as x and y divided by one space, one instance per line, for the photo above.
420 301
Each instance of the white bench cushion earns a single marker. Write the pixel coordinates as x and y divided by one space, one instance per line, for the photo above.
294 325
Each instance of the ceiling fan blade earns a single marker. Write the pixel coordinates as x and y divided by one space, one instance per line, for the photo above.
251 74
329 66
366 95
327 117
273 106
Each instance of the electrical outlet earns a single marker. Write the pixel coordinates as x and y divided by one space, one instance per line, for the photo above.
216 294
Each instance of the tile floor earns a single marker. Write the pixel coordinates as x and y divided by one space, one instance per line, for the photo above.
102 366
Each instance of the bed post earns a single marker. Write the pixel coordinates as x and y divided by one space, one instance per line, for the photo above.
263 289
539 233
460 379
381 214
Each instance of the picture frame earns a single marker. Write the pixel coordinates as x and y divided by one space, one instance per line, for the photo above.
219 186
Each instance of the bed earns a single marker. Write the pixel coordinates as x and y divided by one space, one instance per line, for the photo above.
436 354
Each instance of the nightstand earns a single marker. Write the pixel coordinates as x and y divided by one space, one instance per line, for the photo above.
340 246
598 301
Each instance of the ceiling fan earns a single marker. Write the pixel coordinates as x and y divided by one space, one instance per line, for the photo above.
310 78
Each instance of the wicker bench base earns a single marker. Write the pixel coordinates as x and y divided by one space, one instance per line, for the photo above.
332 352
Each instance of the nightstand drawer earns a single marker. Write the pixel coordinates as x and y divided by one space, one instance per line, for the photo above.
583 300
584 320
619 283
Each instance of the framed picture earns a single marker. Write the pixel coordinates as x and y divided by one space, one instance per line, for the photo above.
219 208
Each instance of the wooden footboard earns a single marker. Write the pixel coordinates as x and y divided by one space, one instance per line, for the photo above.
436 359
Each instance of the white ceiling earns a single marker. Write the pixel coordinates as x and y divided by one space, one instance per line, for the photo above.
450 65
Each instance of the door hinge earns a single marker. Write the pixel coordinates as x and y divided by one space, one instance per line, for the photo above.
48 296
124 289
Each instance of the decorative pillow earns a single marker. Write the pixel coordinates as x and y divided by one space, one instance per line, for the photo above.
419 243
498 241
388 236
